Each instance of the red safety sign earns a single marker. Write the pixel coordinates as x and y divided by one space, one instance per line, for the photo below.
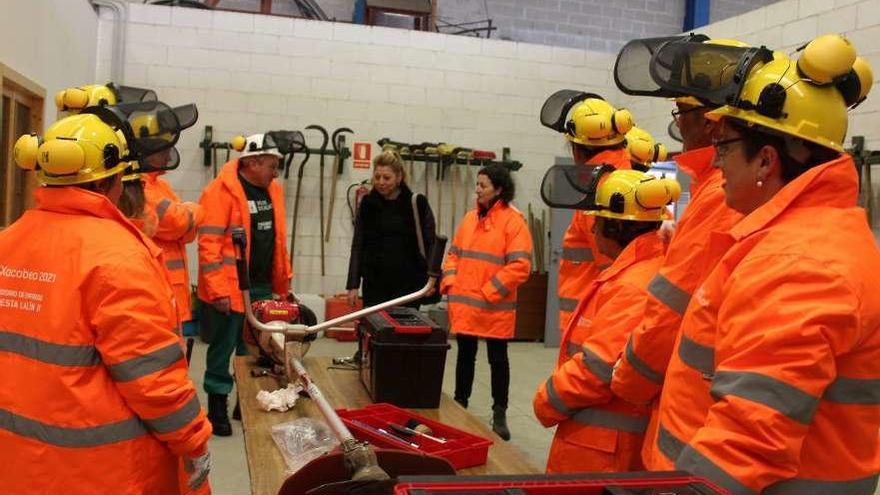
362 152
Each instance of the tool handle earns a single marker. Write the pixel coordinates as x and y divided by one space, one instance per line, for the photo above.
435 259
239 243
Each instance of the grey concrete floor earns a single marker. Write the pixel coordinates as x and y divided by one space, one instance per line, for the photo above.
530 365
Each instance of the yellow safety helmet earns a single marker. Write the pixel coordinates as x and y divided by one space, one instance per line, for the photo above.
642 147
75 150
778 97
594 122
635 196
76 99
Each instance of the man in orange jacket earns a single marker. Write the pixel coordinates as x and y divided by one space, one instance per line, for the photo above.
246 195
596 131
597 432
97 397
176 225
773 386
639 375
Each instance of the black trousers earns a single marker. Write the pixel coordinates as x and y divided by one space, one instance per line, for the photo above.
498 364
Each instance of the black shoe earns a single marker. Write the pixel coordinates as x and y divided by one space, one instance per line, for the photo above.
218 415
499 422
236 413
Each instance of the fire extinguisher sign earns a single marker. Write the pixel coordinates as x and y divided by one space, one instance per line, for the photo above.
362 152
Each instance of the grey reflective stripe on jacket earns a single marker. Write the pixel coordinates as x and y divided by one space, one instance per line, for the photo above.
146 364
674 297
697 356
783 398
482 304
639 365
49 352
577 255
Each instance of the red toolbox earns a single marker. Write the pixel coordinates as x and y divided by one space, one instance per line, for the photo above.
637 483
462 449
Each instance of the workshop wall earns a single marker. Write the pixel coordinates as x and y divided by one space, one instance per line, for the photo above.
51 42
249 73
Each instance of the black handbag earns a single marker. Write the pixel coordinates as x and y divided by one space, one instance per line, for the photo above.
435 297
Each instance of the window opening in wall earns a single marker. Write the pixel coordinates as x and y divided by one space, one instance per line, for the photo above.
21 110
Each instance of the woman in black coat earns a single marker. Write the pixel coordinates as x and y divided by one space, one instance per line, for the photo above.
385 249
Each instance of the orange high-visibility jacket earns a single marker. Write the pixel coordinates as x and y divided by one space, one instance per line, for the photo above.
597 432
580 262
176 226
489 258
775 382
640 375
225 208
96 397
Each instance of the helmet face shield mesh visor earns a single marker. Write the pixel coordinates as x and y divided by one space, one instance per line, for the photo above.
287 141
554 112
148 126
631 69
167 159
572 187
674 132
712 73
131 94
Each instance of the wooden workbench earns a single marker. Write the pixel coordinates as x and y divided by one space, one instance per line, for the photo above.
343 389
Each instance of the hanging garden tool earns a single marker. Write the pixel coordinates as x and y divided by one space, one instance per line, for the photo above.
299 181
341 153
321 190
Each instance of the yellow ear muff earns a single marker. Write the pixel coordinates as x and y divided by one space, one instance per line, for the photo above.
61 157
238 143
656 193
622 121
72 99
826 57
25 151
856 85
660 153
640 150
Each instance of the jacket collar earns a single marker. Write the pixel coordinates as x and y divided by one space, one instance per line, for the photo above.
81 202
643 247
697 163
834 184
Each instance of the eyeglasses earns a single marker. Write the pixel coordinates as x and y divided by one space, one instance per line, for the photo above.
722 146
678 113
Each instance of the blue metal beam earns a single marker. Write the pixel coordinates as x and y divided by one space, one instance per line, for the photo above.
696 14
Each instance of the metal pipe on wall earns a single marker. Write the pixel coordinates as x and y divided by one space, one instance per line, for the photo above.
117 62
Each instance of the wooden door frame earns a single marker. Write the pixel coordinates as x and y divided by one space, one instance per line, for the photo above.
19 89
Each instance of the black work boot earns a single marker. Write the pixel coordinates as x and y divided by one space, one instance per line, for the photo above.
236 412
499 422
218 415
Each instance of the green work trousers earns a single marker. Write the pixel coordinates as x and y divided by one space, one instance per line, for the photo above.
227 332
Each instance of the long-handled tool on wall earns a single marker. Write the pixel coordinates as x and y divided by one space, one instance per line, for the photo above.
299 181
321 191
340 151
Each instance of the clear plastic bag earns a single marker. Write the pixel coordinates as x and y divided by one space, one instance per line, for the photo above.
302 440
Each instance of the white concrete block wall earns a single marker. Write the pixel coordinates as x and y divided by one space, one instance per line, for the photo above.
251 73
785 25
52 43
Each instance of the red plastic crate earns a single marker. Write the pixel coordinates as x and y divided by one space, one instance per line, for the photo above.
641 483
462 449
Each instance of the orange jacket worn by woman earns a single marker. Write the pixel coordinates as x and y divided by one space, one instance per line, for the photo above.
489 258
226 207
773 387
97 397
597 432
580 262
687 263
177 223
